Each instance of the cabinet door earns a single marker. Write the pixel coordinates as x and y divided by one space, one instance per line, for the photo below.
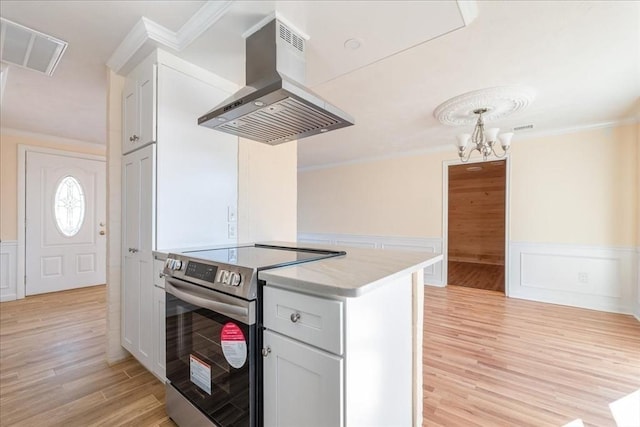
138 171
159 358
303 386
129 116
146 84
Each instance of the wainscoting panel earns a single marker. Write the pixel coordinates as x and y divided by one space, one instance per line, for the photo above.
432 274
599 278
8 260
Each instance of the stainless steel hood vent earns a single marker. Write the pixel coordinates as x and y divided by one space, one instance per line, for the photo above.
275 107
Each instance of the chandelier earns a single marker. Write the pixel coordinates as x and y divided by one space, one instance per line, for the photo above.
483 141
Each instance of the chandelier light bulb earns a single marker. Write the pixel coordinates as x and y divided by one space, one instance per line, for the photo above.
505 140
491 134
463 140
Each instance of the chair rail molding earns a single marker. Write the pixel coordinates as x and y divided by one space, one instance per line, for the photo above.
8 267
432 273
595 277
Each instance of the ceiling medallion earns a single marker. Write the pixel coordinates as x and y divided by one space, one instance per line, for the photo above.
478 106
499 102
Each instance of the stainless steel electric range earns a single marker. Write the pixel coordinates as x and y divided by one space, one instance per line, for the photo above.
214 331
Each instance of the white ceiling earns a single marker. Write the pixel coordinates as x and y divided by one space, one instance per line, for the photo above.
582 59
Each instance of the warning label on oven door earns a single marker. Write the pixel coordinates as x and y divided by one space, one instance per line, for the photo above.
234 346
200 373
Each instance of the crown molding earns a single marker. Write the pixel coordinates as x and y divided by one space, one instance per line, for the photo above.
469 10
51 138
146 30
201 21
136 38
450 147
574 129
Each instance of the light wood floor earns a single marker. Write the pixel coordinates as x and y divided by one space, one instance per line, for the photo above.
495 361
53 370
488 361
475 275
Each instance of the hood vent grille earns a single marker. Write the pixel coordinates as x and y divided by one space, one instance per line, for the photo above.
290 37
280 122
274 106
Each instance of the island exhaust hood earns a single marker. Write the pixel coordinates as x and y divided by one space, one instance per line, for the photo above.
274 107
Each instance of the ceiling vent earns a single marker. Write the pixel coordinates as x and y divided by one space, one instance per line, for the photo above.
28 48
523 127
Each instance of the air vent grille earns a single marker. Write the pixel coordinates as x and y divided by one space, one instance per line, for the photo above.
290 37
524 127
280 122
28 48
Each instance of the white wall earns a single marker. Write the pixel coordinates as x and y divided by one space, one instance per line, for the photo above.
267 189
573 212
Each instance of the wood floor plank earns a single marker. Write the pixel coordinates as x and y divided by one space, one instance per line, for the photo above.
491 360
488 361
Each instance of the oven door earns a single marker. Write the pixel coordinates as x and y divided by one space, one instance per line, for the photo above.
211 352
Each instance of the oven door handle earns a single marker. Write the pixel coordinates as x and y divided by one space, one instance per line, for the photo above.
243 311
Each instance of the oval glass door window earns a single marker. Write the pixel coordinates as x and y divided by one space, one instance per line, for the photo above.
69 206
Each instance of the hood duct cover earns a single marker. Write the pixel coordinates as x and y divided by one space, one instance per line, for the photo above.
275 107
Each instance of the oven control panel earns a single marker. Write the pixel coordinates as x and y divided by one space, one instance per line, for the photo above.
224 277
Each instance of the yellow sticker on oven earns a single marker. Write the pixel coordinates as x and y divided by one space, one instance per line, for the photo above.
200 373
234 346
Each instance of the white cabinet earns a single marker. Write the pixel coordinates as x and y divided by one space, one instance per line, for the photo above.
139 108
334 361
302 384
179 183
138 189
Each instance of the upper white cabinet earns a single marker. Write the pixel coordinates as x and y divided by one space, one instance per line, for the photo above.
139 108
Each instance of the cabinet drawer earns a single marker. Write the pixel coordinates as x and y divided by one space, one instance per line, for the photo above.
158 276
313 320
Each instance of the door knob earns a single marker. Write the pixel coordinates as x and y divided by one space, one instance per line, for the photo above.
295 317
266 351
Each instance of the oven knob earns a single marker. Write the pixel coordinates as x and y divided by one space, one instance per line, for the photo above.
235 279
177 264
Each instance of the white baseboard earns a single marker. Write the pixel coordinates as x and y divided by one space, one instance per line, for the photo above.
8 266
432 274
598 278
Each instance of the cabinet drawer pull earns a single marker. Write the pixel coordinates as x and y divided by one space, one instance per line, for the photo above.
134 138
133 250
295 317
266 351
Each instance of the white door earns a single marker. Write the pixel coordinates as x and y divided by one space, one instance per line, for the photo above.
65 243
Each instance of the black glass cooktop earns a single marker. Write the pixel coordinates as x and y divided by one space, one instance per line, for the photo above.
260 257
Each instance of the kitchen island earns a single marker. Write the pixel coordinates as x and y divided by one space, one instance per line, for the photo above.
340 337
344 339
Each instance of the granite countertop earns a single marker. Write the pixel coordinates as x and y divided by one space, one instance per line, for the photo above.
359 271
350 275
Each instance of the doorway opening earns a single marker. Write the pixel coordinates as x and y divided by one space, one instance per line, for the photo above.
476 225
